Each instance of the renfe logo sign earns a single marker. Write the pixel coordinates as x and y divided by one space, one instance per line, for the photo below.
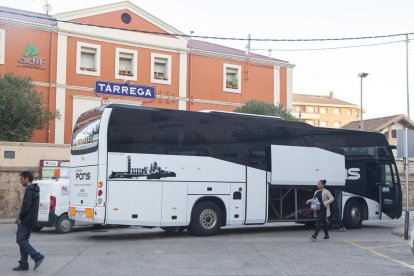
120 89
30 56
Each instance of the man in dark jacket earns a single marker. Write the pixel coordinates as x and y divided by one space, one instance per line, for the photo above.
26 219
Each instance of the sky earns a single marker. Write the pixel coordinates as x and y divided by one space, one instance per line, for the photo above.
316 72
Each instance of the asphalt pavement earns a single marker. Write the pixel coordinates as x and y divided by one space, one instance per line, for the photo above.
274 249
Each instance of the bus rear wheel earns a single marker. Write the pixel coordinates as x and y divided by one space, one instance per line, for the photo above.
353 215
206 219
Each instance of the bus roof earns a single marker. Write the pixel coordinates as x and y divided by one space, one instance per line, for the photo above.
258 118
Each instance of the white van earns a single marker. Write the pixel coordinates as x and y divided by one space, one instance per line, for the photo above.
54 205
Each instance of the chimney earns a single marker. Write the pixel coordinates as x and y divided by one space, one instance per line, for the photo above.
331 94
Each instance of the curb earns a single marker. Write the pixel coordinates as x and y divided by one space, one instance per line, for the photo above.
399 232
6 221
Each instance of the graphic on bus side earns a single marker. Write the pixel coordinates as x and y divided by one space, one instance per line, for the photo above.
151 172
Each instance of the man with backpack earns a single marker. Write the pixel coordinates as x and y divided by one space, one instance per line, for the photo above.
26 219
320 203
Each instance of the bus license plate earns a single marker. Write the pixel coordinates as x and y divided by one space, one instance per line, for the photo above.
80 213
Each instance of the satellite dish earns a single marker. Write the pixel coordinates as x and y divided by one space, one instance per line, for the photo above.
47 8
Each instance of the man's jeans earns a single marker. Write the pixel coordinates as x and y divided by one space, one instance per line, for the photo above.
22 239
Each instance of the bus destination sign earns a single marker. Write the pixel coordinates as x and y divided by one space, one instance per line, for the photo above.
121 89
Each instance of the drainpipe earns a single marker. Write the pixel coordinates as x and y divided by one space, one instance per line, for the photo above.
50 84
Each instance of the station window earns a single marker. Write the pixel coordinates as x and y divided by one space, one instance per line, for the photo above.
126 64
337 124
2 45
337 111
88 59
160 68
232 78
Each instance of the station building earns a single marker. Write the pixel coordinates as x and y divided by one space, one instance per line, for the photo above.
119 53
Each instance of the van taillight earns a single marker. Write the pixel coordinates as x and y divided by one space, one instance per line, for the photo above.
52 203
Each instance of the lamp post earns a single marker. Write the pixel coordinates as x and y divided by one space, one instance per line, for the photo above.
362 75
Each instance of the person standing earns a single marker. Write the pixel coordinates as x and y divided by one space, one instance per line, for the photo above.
325 198
26 219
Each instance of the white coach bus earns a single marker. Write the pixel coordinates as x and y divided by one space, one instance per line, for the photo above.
204 170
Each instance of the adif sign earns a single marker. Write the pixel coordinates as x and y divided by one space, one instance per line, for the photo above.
120 89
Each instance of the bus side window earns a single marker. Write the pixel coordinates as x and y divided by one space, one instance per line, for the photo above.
388 177
395 175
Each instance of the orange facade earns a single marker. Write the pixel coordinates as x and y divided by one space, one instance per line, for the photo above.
40 68
189 78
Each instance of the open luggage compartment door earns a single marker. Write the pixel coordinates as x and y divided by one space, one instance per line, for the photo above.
304 166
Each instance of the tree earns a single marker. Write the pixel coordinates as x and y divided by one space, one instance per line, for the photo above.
21 109
263 108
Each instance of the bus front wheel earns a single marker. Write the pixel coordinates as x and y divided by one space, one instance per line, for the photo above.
206 219
353 215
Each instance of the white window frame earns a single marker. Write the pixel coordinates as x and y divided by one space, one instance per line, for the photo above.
323 112
337 124
310 109
339 111
310 122
323 124
97 47
238 68
169 73
2 45
134 53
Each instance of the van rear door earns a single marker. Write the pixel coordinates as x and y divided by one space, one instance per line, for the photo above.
44 202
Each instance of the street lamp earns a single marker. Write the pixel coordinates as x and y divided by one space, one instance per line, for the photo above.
362 75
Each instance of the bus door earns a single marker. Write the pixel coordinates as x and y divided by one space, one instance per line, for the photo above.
389 190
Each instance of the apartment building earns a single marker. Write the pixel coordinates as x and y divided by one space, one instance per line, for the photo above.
324 111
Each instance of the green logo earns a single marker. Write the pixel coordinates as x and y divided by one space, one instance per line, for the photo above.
31 50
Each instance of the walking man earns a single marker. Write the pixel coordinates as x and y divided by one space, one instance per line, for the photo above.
26 219
325 198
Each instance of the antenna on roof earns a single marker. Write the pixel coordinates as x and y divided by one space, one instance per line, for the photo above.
47 7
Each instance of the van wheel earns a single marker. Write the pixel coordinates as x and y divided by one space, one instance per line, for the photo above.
36 228
64 224
353 215
206 219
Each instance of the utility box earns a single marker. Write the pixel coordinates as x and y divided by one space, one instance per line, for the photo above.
305 166
401 143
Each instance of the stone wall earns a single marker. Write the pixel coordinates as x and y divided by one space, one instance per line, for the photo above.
27 156
11 191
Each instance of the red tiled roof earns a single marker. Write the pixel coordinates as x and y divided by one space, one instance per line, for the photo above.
211 47
377 124
317 99
33 17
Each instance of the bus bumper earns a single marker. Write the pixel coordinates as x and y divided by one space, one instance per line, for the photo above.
93 215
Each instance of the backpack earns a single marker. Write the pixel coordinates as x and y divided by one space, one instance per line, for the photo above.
315 204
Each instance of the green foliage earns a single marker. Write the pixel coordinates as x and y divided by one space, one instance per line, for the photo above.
21 109
263 108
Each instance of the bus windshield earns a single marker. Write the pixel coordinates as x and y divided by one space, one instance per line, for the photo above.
86 132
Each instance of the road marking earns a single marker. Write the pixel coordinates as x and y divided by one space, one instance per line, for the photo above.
372 251
384 246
